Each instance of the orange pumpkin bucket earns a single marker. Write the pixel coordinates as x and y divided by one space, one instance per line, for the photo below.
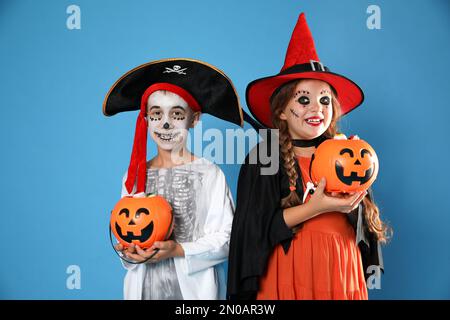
347 165
141 221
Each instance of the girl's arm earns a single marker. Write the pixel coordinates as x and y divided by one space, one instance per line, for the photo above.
320 203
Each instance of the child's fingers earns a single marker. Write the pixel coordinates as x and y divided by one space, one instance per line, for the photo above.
156 245
156 257
141 252
344 203
321 186
151 250
351 200
342 195
343 198
131 248
118 247
135 257
354 204
163 245
144 253
336 194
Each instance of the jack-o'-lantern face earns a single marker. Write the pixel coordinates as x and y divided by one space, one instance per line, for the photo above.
361 170
347 165
141 221
135 226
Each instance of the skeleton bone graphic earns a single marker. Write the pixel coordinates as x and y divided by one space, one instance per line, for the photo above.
176 69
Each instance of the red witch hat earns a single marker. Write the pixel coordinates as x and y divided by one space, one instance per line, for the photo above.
301 62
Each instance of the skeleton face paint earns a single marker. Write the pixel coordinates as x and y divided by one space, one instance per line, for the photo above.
169 118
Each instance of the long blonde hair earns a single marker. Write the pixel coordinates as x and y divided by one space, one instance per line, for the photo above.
278 104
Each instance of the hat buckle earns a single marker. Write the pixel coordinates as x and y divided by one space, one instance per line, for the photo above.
318 64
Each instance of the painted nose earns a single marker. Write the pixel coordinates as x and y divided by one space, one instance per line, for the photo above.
166 126
316 106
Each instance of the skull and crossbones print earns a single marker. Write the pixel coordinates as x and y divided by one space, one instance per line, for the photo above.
176 69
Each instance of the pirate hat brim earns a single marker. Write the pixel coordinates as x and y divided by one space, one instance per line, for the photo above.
209 86
260 91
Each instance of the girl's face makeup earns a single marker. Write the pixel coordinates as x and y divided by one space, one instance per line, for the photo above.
309 112
169 119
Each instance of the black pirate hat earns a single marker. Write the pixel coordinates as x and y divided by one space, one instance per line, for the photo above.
208 85
204 87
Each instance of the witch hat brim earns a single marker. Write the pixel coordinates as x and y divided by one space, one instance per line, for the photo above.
209 86
301 62
259 92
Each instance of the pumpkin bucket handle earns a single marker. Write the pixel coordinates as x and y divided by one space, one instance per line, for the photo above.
121 256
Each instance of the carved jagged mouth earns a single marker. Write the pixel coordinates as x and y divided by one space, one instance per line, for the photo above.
168 137
348 180
129 237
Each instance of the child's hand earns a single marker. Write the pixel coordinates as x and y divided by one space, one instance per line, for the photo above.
167 249
125 251
139 256
324 202
119 247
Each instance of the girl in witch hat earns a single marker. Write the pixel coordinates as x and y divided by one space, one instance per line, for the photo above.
285 242
170 94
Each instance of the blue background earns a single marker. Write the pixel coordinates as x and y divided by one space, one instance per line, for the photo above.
62 161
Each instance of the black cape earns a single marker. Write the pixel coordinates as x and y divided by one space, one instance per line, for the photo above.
258 226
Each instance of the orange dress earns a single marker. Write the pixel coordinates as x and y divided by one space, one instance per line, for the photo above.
323 261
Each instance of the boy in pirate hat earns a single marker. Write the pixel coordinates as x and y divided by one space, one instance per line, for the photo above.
283 247
170 94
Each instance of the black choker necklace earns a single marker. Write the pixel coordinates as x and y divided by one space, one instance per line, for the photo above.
308 143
